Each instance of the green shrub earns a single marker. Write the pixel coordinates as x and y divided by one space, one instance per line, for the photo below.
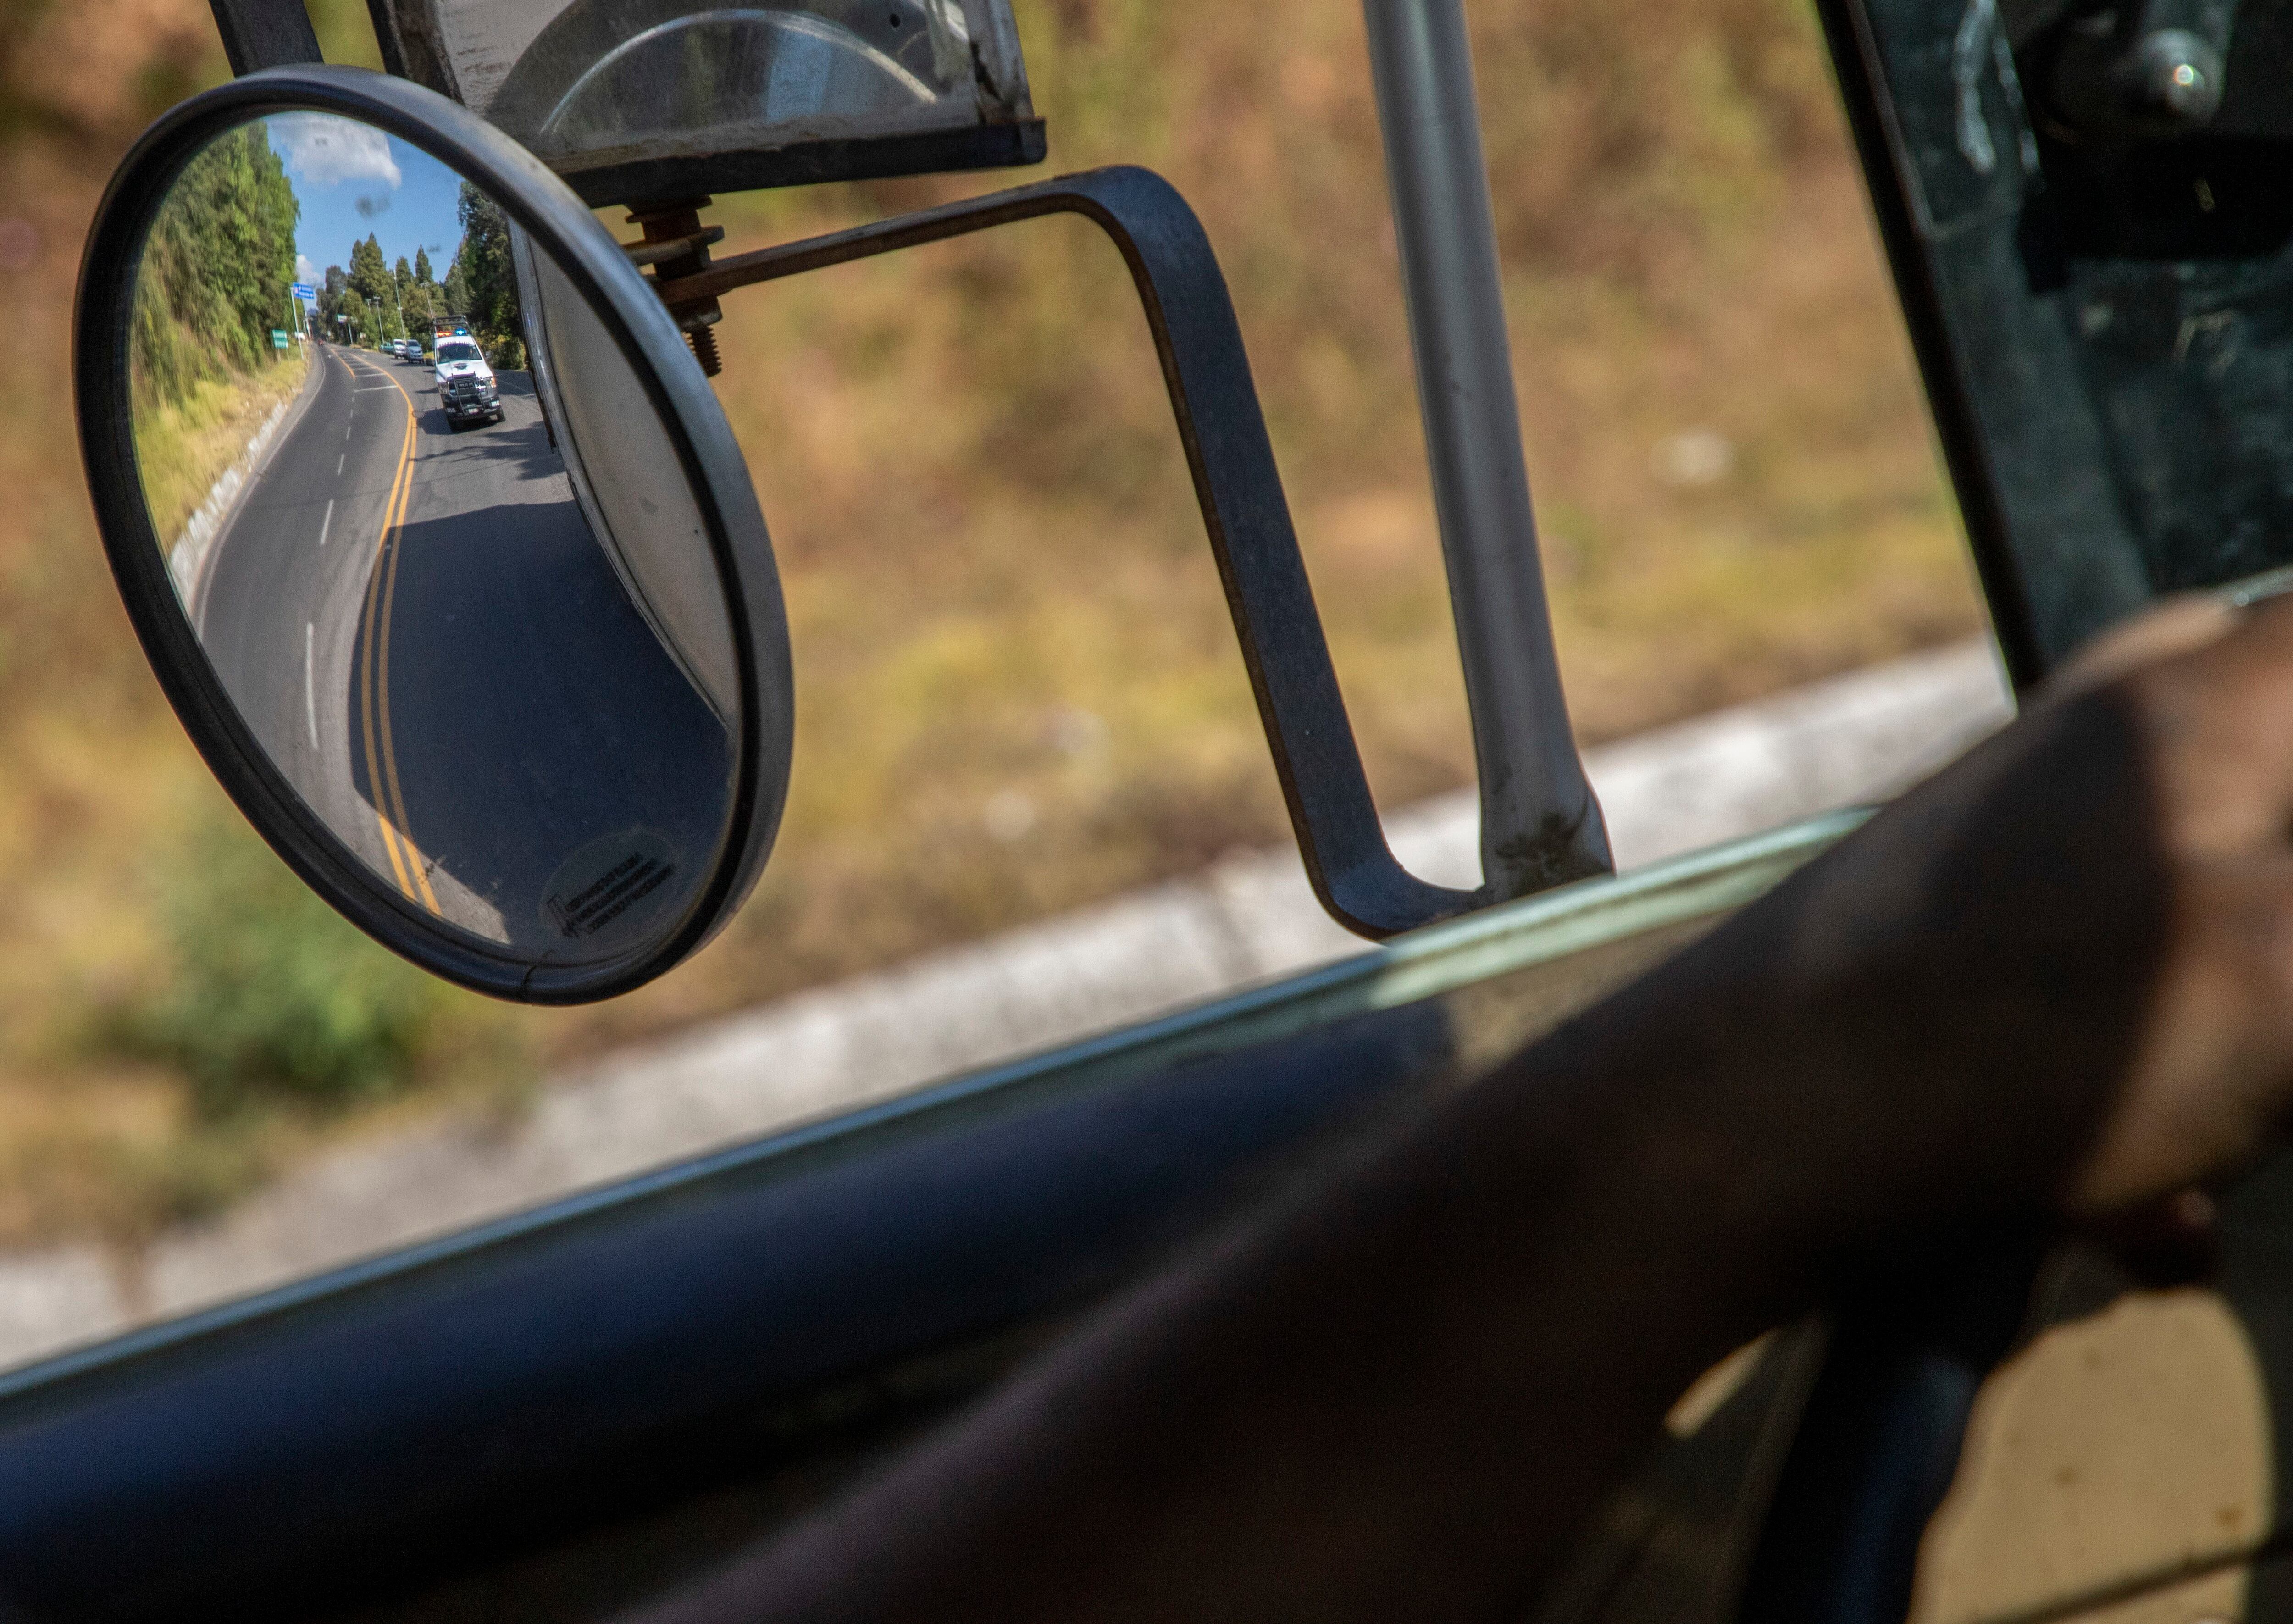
270 997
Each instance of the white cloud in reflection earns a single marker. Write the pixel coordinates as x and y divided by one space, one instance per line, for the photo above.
322 150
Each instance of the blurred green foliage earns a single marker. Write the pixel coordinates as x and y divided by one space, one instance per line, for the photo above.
270 997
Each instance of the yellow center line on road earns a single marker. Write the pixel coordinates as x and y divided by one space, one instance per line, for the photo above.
389 602
406 861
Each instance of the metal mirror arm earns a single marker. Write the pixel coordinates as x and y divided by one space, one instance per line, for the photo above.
259 34
1207 372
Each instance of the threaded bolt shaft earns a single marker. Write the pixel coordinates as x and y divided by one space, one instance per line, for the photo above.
704 349
666 223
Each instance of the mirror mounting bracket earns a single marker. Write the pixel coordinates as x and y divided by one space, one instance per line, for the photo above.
1231 458
676 244
259 34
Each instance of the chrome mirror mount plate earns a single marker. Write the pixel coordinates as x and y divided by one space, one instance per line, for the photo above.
645 102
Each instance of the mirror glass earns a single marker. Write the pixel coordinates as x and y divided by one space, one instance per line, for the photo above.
437 546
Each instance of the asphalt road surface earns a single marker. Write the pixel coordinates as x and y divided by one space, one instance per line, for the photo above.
420 627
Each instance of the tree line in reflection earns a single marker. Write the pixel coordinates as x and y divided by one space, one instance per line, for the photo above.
212 289
372 302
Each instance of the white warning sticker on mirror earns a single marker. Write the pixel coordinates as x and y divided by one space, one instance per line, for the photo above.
614 882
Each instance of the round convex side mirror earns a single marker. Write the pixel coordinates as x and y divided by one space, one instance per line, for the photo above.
510 689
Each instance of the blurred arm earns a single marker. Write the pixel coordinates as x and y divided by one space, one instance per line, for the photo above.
2051 983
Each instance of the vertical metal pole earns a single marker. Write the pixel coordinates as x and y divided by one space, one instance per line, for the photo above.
1540 824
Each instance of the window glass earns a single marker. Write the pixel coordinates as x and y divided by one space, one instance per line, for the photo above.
1032 799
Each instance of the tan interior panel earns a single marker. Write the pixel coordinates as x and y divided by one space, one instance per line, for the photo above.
2113 1460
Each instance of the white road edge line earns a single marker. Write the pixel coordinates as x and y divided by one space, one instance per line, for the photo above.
309 701
327 523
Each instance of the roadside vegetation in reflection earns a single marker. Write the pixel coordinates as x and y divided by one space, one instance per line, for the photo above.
214 353
373 303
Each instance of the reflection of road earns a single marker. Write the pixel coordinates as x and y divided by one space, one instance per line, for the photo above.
419 628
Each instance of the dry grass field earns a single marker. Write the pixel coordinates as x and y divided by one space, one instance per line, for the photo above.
1017 689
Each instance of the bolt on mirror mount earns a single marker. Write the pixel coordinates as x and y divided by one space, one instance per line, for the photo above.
538 745
795 93
798 91
654 105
